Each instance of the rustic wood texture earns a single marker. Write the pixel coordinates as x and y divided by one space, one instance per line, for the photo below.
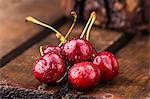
134 71
13 30
19 70
133 81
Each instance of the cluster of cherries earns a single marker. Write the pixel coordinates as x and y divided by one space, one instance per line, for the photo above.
86 66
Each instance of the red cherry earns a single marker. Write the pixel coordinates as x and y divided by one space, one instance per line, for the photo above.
51 49
49 68
84 75
77 50
108 65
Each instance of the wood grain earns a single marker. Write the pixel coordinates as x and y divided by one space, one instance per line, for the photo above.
133 81
134 71
19 70
14 30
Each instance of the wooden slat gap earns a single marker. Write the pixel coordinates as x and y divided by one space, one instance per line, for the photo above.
30 42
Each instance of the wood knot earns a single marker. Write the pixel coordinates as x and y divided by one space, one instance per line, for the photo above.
108 96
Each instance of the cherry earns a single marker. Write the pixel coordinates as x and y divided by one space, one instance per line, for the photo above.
49 68
108 65
84 75
51 49
78 49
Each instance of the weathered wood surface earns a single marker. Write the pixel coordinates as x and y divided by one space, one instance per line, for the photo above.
133 81
13 30
134 71
19 71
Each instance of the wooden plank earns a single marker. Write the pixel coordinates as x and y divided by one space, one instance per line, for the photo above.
14 30
20 69
133 80
134 62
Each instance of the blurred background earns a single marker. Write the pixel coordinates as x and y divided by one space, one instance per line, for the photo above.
126 15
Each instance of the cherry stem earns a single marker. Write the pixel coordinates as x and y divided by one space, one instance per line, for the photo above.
89 24
93 14
41 50
82 34
73 13
58 81
35 21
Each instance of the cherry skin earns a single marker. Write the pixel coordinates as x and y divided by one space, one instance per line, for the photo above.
77 50
108 65
84 75
51 49
49 68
